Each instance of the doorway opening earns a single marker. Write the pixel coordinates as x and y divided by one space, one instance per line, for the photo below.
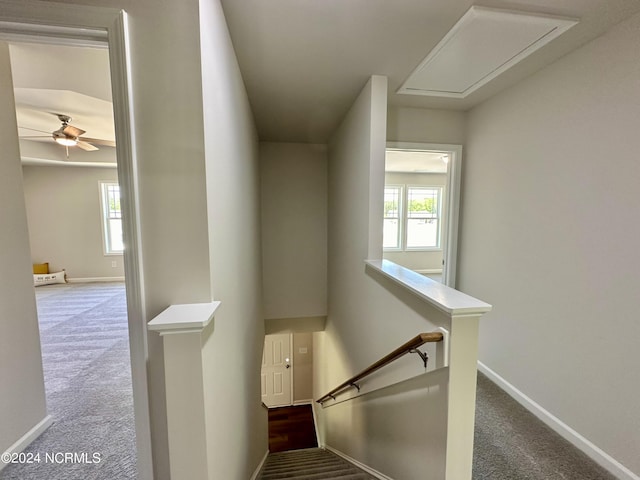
97 26
75 233
421 205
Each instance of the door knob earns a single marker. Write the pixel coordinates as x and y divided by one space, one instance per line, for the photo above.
288 366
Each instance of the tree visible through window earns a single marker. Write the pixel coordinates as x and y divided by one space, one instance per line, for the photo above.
112 218
423 222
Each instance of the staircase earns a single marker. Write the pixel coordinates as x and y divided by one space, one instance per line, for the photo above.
310 464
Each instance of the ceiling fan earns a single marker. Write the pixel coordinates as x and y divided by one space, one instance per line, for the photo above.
70 136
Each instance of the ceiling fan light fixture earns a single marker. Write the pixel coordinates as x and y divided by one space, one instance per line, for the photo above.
64 139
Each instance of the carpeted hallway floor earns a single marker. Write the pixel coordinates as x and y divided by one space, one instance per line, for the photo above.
512 444
85 350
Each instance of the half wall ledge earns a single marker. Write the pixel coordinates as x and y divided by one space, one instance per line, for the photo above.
446 299
184 318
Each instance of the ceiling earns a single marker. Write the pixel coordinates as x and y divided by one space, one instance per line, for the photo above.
304 61
74 81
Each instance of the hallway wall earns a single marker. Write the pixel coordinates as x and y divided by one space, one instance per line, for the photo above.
550 237
236 422
294 229
22 402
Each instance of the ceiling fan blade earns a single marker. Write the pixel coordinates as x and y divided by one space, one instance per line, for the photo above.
86 146
72 131
34 136
100 141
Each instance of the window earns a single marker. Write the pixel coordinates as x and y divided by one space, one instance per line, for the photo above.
391 236
112 218
423 217
412 217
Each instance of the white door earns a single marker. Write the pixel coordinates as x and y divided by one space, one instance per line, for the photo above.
276 370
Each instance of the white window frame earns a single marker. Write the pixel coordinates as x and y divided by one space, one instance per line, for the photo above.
403 221
104 213
405 218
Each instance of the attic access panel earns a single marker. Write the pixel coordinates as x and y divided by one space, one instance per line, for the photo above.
481 45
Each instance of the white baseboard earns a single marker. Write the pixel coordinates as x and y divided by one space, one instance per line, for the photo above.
591 450
303 402
366 468
94 279
24 441
260 465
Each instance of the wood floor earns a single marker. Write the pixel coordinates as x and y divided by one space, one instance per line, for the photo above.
291 428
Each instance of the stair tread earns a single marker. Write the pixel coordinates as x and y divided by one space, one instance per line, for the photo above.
310 464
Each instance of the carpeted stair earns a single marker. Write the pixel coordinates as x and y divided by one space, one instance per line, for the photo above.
310 464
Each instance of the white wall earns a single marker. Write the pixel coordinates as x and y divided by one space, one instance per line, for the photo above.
294 229
22 401
423 259
550 237
425 125
65 220
236 422
368 318
302 366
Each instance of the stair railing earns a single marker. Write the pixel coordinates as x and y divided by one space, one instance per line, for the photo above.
409 347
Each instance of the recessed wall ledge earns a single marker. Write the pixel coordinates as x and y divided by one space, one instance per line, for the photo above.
184 318
448 300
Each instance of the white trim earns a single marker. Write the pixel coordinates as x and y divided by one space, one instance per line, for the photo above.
185 318
291 375
43 162
260 465
315 423
555 26
297 403
84 25
362 466
24 441
452 192
565 431
94 279
448 300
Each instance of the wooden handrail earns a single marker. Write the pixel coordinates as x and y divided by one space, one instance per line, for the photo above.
402 350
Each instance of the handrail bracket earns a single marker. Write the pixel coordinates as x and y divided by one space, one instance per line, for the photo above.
355 385
423 355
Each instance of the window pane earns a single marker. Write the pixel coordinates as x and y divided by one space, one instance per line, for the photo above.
115 235
423 203
391 230
391 201
112 218
423 217
391 233
422 232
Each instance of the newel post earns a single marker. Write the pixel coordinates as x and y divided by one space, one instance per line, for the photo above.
463 364
181 328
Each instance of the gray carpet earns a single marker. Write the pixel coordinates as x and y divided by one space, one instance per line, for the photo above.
85 350
310 464
512 444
